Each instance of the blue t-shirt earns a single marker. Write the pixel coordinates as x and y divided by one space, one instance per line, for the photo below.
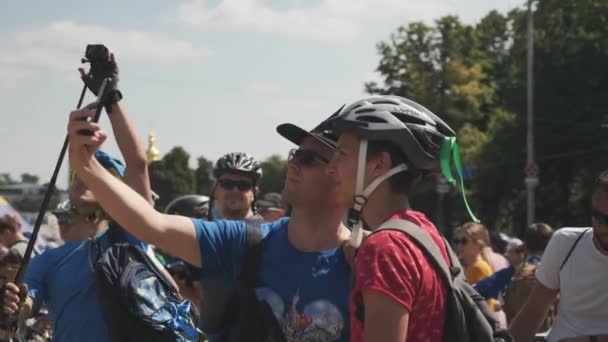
307 291
63 279
492 286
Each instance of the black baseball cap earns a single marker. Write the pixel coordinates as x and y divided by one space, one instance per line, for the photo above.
296 134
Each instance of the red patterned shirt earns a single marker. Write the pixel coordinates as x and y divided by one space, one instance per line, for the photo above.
391 263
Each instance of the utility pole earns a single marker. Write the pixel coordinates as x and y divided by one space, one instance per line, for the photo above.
531 179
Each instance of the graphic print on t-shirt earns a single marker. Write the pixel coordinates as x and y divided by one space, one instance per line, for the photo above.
318 321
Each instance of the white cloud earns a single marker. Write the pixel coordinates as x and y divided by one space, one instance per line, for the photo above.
329 20
59 45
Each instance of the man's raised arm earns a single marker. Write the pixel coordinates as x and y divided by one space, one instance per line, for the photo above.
174 234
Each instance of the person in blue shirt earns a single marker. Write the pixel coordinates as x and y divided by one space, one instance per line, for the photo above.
63 278
536 238
303 277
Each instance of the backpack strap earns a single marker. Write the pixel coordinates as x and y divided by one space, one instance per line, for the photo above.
424 241
256 321
18 242
35 251
580 236
252 257
247 320
456 267
222 299
116 233
452 275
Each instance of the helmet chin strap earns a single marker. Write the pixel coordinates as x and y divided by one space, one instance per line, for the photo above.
361 194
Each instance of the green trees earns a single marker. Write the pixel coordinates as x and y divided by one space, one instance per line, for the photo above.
273 177
474 77
172 176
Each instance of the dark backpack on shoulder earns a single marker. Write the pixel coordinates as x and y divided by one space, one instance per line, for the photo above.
138 301
232 312
468 317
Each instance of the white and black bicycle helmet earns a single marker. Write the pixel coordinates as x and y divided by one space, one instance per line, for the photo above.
414 129
238 162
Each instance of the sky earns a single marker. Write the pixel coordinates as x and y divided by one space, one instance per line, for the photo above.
212 76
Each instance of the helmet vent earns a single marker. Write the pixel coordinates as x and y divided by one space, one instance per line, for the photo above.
365 110
408 119
370 118
387 102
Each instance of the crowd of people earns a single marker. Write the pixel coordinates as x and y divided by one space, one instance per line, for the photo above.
308 264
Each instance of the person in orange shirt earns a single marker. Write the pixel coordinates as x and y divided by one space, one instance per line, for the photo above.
473 245
472 242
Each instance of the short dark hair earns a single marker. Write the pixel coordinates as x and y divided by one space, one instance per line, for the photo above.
401 182
537 236
601 182
7 224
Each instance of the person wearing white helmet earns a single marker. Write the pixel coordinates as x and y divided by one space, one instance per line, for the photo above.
385 144
233 197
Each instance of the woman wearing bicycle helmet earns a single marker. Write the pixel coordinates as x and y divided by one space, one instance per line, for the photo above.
387 143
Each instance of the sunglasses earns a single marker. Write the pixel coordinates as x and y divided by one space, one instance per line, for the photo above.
64 219
306 157
462 241
599 217
229 184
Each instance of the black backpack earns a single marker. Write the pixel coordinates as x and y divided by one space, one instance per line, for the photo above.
232 312
138 301
468 317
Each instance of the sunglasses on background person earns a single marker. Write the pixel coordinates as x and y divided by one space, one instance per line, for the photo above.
241 185
66 218
306 157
